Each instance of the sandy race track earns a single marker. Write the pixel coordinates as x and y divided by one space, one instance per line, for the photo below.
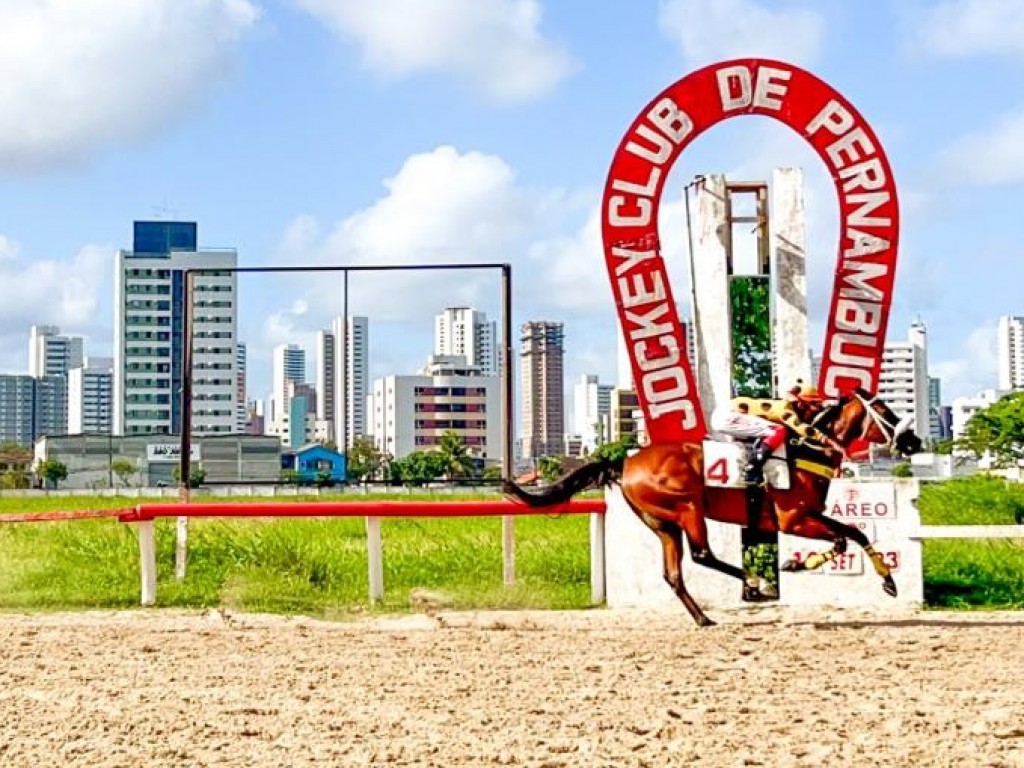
598 688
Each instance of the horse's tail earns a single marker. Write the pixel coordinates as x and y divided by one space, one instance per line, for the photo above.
592 475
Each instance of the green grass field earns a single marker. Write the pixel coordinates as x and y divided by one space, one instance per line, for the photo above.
309 566
318 567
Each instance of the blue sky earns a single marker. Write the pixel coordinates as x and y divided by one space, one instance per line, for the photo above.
403 131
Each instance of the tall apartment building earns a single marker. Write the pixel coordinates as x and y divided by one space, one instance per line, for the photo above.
90 397
326 378
541 356
937 428
351 379
149 319
592 407
241 387
1010 350
289 367
903 381
32 406
302 417
411 413
468 332
50 353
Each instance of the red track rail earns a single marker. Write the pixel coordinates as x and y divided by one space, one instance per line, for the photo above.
355 509
81 514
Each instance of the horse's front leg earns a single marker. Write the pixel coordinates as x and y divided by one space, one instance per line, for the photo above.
816 560
820 526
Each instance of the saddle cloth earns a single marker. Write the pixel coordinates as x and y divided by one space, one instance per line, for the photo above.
724 461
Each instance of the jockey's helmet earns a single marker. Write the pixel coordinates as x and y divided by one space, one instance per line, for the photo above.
805 392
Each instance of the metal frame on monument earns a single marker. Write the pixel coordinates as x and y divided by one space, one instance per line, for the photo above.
505 373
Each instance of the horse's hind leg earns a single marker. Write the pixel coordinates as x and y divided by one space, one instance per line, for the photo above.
670 536
696 528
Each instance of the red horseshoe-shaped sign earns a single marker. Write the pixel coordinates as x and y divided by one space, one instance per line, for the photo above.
869 212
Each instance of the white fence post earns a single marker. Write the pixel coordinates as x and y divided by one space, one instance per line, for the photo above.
597 590
375 559
181 549
147 560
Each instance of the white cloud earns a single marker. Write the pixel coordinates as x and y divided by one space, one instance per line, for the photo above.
79 74
958 28
62 292
496 45
991 157
8 249
713 30
441 207
974 370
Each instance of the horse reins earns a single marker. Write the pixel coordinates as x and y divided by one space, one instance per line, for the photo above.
891 431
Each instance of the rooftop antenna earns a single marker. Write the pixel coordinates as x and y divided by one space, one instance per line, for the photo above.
164 212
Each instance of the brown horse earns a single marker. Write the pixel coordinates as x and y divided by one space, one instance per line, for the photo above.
664 485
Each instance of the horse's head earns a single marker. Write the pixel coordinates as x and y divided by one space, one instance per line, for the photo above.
861 416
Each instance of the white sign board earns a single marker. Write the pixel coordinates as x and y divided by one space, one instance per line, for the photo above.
886 513
170 452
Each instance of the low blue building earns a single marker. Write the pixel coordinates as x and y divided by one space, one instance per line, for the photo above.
315 464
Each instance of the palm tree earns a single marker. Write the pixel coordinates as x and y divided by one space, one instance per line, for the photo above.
457 460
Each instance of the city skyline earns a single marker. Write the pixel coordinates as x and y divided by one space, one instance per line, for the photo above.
308 133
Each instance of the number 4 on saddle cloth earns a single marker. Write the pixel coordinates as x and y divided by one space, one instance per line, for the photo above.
724 461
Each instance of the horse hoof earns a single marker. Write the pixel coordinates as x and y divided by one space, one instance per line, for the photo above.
889 586
704 621
792 566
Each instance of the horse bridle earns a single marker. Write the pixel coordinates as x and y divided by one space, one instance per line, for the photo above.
887 428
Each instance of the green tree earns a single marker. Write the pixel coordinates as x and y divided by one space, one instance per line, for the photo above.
418 468
616 450
52 471
196 476
751 336
550 468
124 469
455 455
997 431
903 470
14 478
363 461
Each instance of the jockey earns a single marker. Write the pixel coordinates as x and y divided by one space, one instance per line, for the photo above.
766 421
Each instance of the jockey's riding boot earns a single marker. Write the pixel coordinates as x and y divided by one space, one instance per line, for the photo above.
752 592
753 473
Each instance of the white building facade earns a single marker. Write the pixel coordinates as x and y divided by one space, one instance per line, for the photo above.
149 319
91 397
351 379
289 369
903 381
50 353
467 331
592 407
1010 351
411 413
963 408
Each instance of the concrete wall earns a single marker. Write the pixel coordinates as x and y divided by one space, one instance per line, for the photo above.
709 280
886 510
633 563
790 343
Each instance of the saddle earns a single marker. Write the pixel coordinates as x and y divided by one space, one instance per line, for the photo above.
724 461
